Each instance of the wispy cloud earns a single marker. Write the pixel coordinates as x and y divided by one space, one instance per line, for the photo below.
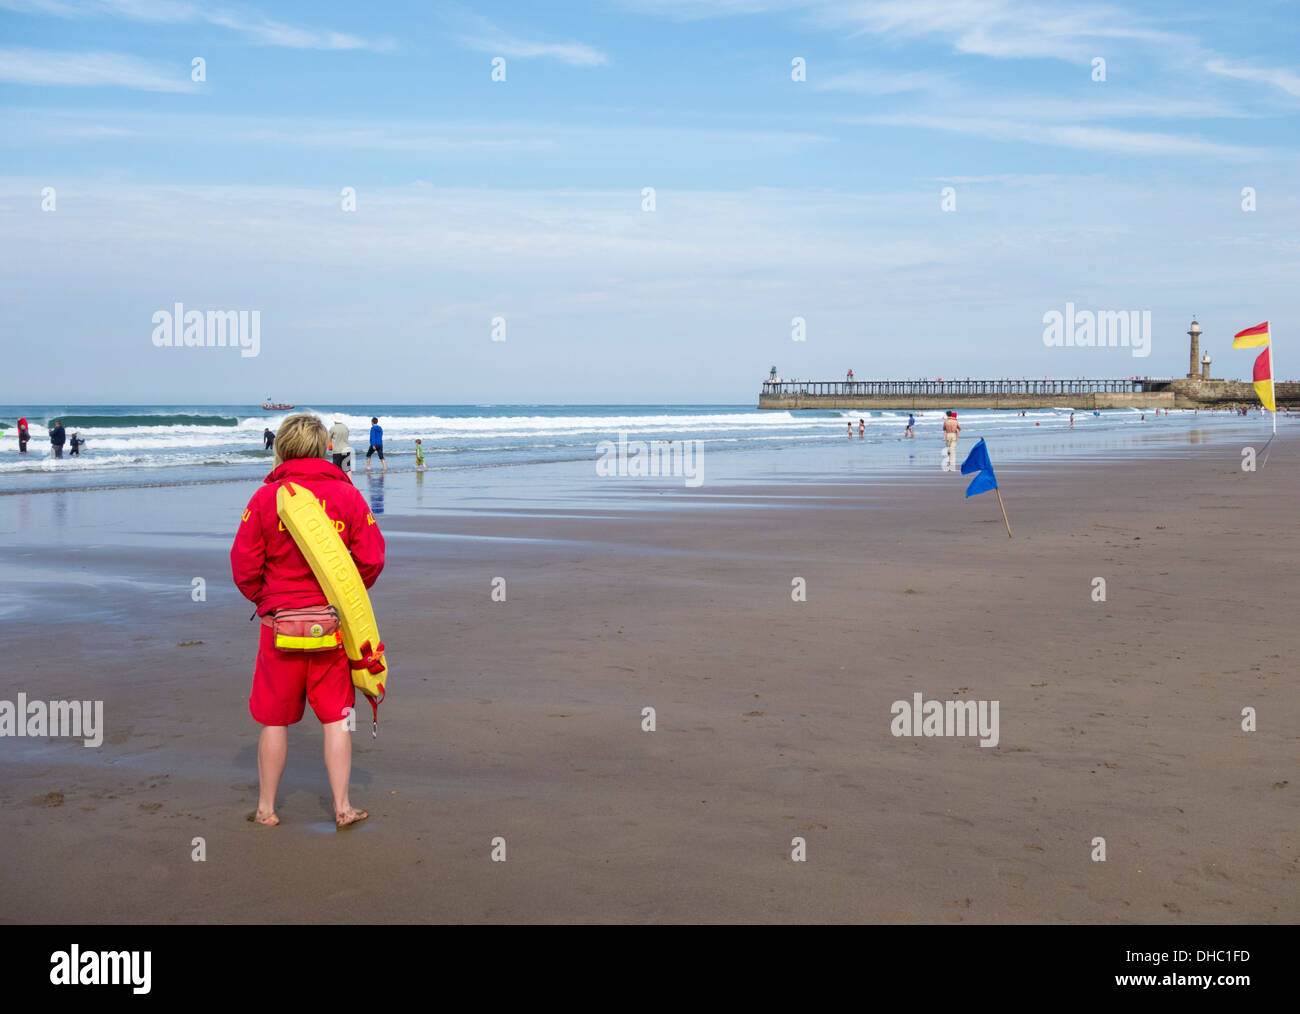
478 33
1046 109
1096 139
258 28
266 32
575 54
1279 77
1130 142
32 127
54 67
1003 29
881 82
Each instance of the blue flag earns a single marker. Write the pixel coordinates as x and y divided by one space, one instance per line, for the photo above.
978 461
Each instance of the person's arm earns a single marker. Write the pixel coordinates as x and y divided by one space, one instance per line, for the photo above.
248 554
365 542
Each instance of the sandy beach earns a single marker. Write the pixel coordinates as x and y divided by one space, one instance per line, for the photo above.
522 720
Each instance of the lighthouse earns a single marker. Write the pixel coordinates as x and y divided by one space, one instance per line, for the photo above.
1194 333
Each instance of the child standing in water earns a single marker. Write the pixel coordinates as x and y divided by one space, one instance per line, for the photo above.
419 456
271 571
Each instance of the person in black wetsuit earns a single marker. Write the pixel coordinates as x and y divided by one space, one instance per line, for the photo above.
268 438
76 443
57 438
24 435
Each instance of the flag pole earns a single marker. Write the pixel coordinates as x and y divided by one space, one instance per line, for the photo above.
1272 379
1004 511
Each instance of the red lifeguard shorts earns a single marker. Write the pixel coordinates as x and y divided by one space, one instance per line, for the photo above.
285 681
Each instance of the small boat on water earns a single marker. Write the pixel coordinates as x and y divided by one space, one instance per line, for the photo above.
275 406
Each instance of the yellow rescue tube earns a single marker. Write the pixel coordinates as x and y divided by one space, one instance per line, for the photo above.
332 564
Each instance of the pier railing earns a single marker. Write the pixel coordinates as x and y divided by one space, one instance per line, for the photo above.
1008 386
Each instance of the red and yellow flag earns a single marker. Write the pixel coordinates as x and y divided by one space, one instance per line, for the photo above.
1252 337
1263 378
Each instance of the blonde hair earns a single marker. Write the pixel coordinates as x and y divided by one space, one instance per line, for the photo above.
300 436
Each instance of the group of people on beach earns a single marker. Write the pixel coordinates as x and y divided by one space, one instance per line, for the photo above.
339 447
58 437
909 432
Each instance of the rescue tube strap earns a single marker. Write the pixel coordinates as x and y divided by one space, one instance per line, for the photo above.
371 660
374 711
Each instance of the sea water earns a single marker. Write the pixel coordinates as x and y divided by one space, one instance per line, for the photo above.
136 445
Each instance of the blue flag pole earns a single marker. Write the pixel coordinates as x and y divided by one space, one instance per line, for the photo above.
1004 511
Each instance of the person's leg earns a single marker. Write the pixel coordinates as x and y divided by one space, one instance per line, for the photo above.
381 459
333 698
338 763
272 751
276 701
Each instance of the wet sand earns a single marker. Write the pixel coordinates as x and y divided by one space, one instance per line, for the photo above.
522 719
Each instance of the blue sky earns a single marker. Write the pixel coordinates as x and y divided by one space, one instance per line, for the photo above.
522 199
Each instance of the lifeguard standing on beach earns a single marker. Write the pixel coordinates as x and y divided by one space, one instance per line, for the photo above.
272 572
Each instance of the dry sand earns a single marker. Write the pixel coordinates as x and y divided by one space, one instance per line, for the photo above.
522 719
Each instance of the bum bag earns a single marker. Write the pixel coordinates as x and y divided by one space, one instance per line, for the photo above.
312 628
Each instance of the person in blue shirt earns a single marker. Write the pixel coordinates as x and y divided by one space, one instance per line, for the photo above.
376 443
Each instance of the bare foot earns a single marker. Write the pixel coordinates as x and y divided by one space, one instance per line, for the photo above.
348 817
266 818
